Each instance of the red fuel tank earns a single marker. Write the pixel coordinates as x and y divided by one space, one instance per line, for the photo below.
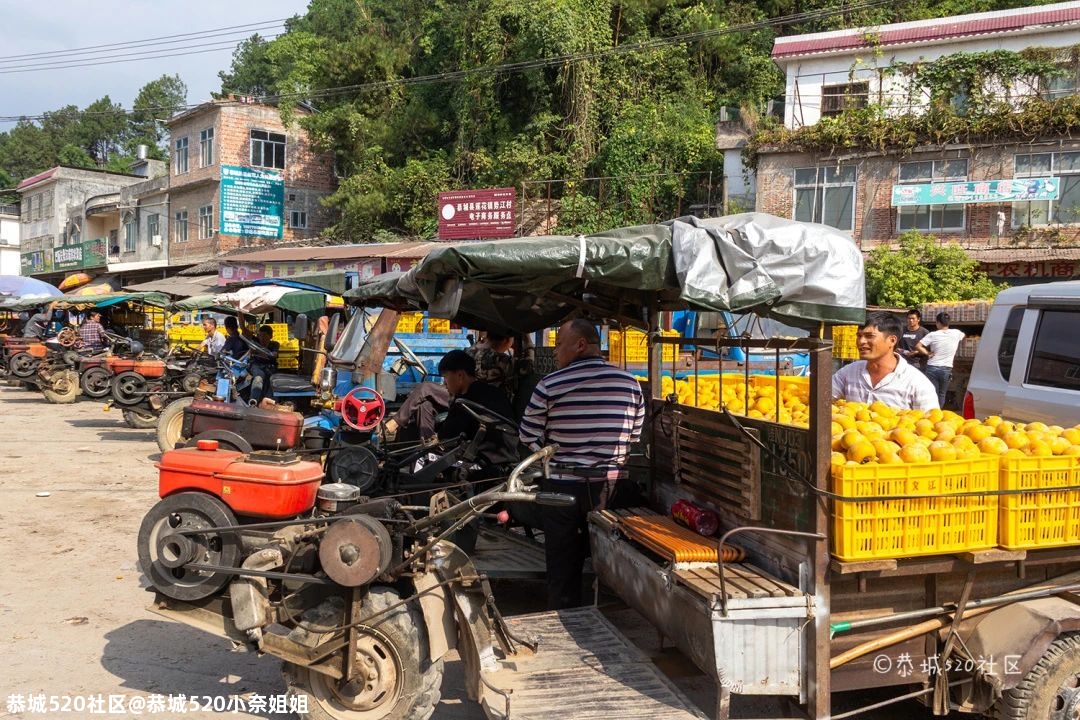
258 484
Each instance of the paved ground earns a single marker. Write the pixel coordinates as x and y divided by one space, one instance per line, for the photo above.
74 485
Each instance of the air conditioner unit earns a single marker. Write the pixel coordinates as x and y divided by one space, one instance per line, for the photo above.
155 240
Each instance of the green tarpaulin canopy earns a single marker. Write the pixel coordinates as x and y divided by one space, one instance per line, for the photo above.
800 273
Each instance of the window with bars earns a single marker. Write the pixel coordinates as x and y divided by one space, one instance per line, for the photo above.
1065 166
826 195
206 147
835 99
180 158
267 149
947 217
206 222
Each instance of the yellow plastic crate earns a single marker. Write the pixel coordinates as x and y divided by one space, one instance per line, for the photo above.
410 323
879 529
636 346
1044 517
844 347
438 325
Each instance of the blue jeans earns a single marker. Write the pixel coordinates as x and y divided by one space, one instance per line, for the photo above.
940 376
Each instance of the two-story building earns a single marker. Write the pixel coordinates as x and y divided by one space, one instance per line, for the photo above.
1009 194
240 178
70 220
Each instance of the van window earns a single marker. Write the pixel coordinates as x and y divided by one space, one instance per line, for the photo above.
1055 359
1007 348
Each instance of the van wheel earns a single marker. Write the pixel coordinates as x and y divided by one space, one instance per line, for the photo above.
399 683
1051 690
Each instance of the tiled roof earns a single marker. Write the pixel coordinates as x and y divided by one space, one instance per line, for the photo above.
928 31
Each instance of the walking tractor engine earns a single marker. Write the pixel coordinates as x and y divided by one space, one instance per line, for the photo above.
361 598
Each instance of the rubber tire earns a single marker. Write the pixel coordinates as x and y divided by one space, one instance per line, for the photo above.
128 380
64 389
170 424
1035 697
419 678
140 419
198 510
96 382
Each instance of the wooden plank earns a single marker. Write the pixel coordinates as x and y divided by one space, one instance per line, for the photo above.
992 555
848 568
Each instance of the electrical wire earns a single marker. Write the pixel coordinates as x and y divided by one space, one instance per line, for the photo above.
537 63
136 43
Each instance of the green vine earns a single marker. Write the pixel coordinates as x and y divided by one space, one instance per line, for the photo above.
971 100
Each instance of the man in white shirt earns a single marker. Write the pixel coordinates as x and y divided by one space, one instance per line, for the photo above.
940 348
880 373
214 341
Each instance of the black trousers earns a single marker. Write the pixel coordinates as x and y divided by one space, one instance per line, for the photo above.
566 534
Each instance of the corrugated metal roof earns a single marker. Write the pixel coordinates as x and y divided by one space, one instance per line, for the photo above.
922 31
335 252
37 178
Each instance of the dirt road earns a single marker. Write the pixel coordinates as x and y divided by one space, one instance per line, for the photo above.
75 636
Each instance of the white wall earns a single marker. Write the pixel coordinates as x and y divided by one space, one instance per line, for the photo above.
9 245
806 75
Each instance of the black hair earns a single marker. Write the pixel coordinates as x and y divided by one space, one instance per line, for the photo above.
497 335
231 324
885 322
915 312
943 318
267 329
585 330
457 360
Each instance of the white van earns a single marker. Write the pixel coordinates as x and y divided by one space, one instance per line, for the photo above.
1027 366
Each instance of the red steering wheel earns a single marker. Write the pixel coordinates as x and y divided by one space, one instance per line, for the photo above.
362 409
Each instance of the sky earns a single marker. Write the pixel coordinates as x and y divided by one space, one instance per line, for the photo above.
43 28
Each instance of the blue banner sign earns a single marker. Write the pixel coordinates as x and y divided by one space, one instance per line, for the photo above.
987 191
252 202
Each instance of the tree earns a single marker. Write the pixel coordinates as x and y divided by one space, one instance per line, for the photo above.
923 270
251 72
157 101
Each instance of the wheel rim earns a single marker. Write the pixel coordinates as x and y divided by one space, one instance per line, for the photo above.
174 429
23 365
378 676
1066 704
65 383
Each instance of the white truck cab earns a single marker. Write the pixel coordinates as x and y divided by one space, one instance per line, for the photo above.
1027 366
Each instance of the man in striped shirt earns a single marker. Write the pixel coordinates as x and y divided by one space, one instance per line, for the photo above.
593 411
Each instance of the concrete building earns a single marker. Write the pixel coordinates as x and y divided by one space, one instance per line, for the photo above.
240 178
1013 202
69 221
9 240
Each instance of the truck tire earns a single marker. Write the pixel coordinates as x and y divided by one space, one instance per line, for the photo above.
1051 690
63 388
170 425
406 684
140 419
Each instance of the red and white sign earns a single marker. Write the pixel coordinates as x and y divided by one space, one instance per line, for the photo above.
465 214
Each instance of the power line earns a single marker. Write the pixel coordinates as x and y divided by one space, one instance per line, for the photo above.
136 43
537 63
124 57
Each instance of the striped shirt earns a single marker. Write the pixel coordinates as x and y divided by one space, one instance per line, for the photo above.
592 410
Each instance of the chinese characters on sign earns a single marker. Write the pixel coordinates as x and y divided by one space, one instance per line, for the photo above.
1047 269
987 191
252 202
476 214
87 254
